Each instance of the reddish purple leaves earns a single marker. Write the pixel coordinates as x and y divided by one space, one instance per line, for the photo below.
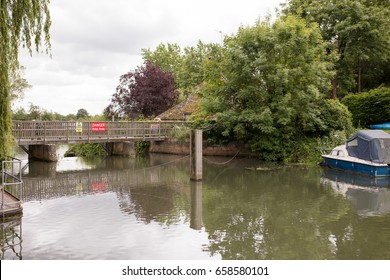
148 91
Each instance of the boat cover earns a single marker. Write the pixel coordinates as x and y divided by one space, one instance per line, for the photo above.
381 126
371 145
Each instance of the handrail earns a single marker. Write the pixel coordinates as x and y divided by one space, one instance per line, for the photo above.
66 132
11 175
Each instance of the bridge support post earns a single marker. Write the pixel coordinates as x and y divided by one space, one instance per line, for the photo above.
122 148
47 152
196 155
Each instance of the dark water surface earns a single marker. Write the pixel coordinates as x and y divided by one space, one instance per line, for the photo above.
147 208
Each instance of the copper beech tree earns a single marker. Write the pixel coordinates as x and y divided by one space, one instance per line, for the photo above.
148 91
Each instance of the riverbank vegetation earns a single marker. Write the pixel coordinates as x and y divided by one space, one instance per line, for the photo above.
269 88
87 150
275 86
372 107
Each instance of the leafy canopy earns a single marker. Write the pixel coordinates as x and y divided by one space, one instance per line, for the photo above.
148 91
186 66
268 89
358 31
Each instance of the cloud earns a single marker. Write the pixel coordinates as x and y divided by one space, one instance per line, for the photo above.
96 41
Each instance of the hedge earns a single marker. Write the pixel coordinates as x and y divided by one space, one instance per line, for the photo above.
372 107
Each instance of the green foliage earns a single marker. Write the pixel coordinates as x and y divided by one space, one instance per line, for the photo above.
88 150
141 147
186 66
357 30
370 107
180 133
18 84
37 113
82 114
268 89
21 22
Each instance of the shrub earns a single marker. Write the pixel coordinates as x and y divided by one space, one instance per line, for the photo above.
370 107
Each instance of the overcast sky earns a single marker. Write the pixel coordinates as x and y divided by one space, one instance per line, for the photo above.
96 41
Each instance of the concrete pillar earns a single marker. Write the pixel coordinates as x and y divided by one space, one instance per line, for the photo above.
47 152
196 155
122 148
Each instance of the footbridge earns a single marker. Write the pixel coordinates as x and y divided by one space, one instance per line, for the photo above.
38 138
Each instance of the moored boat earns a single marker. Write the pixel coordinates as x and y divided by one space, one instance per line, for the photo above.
366 152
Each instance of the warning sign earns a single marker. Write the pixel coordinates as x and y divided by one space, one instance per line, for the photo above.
79 127
98 127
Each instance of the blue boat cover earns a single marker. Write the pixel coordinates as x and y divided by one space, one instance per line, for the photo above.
371 145
381 126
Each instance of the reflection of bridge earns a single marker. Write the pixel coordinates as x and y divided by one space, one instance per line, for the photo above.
40 135
142 191
90 181
145 192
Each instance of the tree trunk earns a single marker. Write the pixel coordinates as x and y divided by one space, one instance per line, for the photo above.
359 76
333 94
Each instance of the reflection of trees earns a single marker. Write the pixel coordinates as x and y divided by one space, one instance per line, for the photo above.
11 238
161 203
152 188
286 214
165 195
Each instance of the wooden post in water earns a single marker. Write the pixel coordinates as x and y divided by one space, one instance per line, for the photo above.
196 154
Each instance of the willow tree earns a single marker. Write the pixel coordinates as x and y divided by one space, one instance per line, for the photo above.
25 23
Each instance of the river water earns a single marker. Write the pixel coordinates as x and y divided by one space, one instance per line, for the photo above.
147 208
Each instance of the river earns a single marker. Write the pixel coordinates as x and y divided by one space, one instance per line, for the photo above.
147 208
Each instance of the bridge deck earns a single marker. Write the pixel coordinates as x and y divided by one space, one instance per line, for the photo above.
56 132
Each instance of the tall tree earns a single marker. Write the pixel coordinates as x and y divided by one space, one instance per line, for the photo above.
268 88
167 57
187 66
357 30
147 91
25 22
82 114
191 71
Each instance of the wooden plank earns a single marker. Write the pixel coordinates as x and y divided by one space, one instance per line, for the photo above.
10 205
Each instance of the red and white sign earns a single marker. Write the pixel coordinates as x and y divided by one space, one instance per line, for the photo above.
98 127
99 186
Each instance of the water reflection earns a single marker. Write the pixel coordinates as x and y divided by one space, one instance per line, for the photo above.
196 205
368 196
147 208
11 238
147 189
286 213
